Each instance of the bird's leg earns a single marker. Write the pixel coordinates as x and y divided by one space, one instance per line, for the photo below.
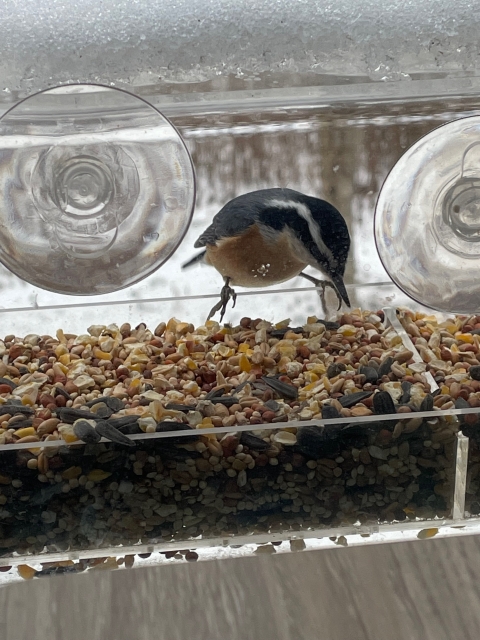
322 284
226 294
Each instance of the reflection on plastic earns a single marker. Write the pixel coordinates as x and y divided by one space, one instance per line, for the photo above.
427 220
97 187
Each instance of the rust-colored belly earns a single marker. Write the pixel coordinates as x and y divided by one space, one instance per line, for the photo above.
251 262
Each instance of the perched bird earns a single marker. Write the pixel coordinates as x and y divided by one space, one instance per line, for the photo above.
269 236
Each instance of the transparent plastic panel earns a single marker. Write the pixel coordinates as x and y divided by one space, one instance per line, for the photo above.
343 154
264 44
196 435
199 489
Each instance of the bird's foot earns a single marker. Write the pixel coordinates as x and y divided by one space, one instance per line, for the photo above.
226 294
321 285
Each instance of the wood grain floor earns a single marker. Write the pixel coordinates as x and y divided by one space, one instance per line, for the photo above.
426 590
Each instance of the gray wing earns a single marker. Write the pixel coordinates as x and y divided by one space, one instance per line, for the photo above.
238 215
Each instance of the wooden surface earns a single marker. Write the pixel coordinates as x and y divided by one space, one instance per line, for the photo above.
425 590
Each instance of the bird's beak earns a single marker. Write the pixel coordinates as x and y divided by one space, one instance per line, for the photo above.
340 287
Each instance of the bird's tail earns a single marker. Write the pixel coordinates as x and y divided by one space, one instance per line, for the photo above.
340 287
198 258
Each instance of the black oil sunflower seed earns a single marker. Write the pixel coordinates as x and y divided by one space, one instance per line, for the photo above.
85 432
385 367
281 388
252 442
354 398
370 374
109 432
228 401
383 403
12 409
69 415
9 382
427 403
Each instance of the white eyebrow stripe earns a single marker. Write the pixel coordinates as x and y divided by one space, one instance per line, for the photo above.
304 212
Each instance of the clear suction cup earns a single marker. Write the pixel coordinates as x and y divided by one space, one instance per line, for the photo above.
427 219
96 189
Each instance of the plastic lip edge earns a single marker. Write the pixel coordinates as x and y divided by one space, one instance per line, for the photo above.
254 538
194 186
45 444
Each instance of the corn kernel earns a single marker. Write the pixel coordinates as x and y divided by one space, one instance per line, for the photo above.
97 475
61 336
61 350
27 431
72 472
465 337
427 533
244 363
26 572
190 363
101 355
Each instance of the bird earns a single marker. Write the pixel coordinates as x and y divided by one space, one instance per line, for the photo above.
269 236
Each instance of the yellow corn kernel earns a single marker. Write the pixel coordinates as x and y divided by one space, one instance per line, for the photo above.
136 382
191 387
182 328
66 431
65 359
27 431
26 572
188 362
207 424
451 328
101 355
243 347
137 367
35 452
182 349
61 350
465 337
61 336
60 369
172 323
97 475
309 387
347 330
427 533
224 351
290 335
72 472
310 376
244 363
444 390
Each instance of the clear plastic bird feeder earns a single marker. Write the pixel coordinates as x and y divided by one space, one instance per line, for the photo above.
427 222
97 189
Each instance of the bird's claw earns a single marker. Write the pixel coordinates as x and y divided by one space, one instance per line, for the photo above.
226 294
323 284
